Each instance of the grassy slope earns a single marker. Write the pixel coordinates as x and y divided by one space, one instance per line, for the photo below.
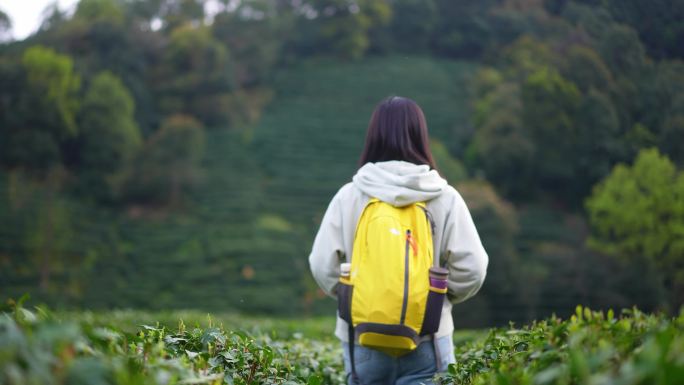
310 137
264 192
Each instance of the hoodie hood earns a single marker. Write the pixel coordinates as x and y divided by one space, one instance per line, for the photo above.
399 183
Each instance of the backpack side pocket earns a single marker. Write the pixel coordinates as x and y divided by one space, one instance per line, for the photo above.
435 299
344 296
433 311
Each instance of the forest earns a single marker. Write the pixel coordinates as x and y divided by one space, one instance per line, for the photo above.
179 154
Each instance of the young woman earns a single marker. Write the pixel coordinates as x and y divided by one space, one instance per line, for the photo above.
397 167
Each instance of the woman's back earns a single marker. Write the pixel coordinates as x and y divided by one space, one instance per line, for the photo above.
397 168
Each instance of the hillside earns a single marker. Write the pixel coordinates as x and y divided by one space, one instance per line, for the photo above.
311 136
248 228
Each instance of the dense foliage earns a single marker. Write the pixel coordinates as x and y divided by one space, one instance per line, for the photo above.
162 154
38 348
589 348
652 228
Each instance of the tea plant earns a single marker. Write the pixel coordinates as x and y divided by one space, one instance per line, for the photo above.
589 348
38 347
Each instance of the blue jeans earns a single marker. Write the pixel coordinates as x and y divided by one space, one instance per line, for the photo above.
418 367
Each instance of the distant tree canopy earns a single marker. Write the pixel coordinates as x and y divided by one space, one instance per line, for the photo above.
194 76
338 27
637 212
555 112
169 163
658 22
109 137
146 115
5 25
40 108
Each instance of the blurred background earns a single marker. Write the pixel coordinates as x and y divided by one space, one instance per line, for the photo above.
179 154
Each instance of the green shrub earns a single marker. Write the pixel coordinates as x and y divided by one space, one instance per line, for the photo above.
589 348
37 347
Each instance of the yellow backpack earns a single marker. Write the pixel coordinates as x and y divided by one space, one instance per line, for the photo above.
394 290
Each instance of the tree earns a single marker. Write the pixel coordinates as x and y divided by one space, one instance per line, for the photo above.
512 282
40 115
169 164
672 137
665 108
550 104
5 26
501 146
412 24
108 35
526 56
637 214
109 135
659 23
584 67
13 84
622 50
252 35
449 168
194 76
52 82
49 231
100 10
462 28
176 13
598 144
338 27
589 18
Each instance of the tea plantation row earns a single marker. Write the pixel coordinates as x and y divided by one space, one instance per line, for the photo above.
38 347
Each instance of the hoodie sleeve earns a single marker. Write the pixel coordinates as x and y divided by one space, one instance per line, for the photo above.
466 258
328 248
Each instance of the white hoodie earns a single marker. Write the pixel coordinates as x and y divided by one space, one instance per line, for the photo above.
401 183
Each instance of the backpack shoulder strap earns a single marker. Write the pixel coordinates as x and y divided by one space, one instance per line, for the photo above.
435 249
371 201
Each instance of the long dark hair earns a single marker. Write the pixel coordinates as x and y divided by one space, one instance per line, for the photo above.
397 131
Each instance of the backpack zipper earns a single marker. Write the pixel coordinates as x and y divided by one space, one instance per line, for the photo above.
406 277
